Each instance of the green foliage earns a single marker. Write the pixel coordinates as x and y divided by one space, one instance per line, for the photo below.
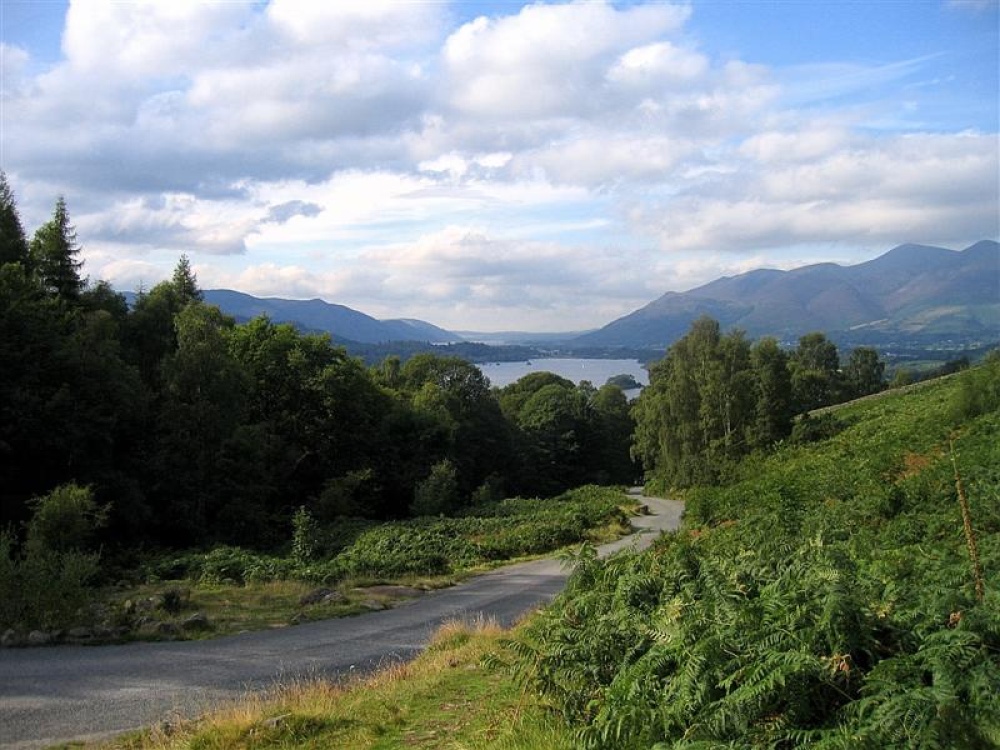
481 534
53 256
305 536
809 429
46 583
438 493
979 390
13 243
824 599
65 519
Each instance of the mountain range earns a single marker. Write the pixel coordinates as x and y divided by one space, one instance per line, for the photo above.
342 323
913 293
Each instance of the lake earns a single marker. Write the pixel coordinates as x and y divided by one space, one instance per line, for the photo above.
597 371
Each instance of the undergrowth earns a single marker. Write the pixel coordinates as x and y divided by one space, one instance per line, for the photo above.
352 549
826 599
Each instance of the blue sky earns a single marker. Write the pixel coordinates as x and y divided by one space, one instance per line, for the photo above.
499 165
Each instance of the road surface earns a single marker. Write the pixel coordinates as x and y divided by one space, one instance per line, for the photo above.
63 693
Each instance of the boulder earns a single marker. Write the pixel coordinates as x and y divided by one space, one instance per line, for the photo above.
197 621
10 638
321 595
80 634
39 638
167 628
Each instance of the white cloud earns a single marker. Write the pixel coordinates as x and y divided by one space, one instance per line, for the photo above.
657 66
372 155
548 60
877 192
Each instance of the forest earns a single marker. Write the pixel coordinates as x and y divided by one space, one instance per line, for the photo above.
192 430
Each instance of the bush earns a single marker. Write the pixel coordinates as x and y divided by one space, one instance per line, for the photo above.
45 584
438 493
813 429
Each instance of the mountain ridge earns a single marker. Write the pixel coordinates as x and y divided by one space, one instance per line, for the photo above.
910 289
340 321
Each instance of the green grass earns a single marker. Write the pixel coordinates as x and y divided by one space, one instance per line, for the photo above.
446 699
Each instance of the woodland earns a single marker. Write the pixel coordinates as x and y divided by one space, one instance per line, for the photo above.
190 430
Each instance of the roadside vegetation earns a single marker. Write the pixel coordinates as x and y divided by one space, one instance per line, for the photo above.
841 593
825 597
325 571
446 699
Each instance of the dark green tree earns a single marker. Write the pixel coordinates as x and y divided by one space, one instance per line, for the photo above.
53 255
13 242
772 390
864 373
185 283
438 493
609 460
692 420
202 404
456 396
816 379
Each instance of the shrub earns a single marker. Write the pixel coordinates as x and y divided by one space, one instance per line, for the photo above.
305 536
438 493
45 583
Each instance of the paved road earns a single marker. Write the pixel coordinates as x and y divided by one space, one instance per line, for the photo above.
50 695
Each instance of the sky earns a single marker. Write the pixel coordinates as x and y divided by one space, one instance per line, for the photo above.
493 166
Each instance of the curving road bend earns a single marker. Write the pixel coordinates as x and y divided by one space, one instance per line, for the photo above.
64 693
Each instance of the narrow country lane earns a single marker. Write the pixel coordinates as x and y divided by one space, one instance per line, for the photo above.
50 695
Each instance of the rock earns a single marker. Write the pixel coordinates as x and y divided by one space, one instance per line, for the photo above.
314 597
80 634
373 605
39 638
167 628
197 621
10 638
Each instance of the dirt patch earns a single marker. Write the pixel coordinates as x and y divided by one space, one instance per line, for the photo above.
914 464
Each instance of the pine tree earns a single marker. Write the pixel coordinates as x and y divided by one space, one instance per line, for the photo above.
13 243
53 252
185 283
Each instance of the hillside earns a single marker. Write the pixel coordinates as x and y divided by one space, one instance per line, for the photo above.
912 292
826 597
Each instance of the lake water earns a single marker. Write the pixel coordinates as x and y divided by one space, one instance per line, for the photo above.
597 371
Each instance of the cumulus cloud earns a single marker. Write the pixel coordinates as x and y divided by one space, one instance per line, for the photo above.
860 190
382 155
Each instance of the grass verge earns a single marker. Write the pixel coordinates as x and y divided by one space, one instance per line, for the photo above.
445 699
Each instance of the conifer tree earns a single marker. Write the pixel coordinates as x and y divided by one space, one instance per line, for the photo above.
13 243
53 252
185 283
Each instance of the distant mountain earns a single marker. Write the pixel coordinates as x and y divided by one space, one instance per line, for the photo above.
910 291
343 323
